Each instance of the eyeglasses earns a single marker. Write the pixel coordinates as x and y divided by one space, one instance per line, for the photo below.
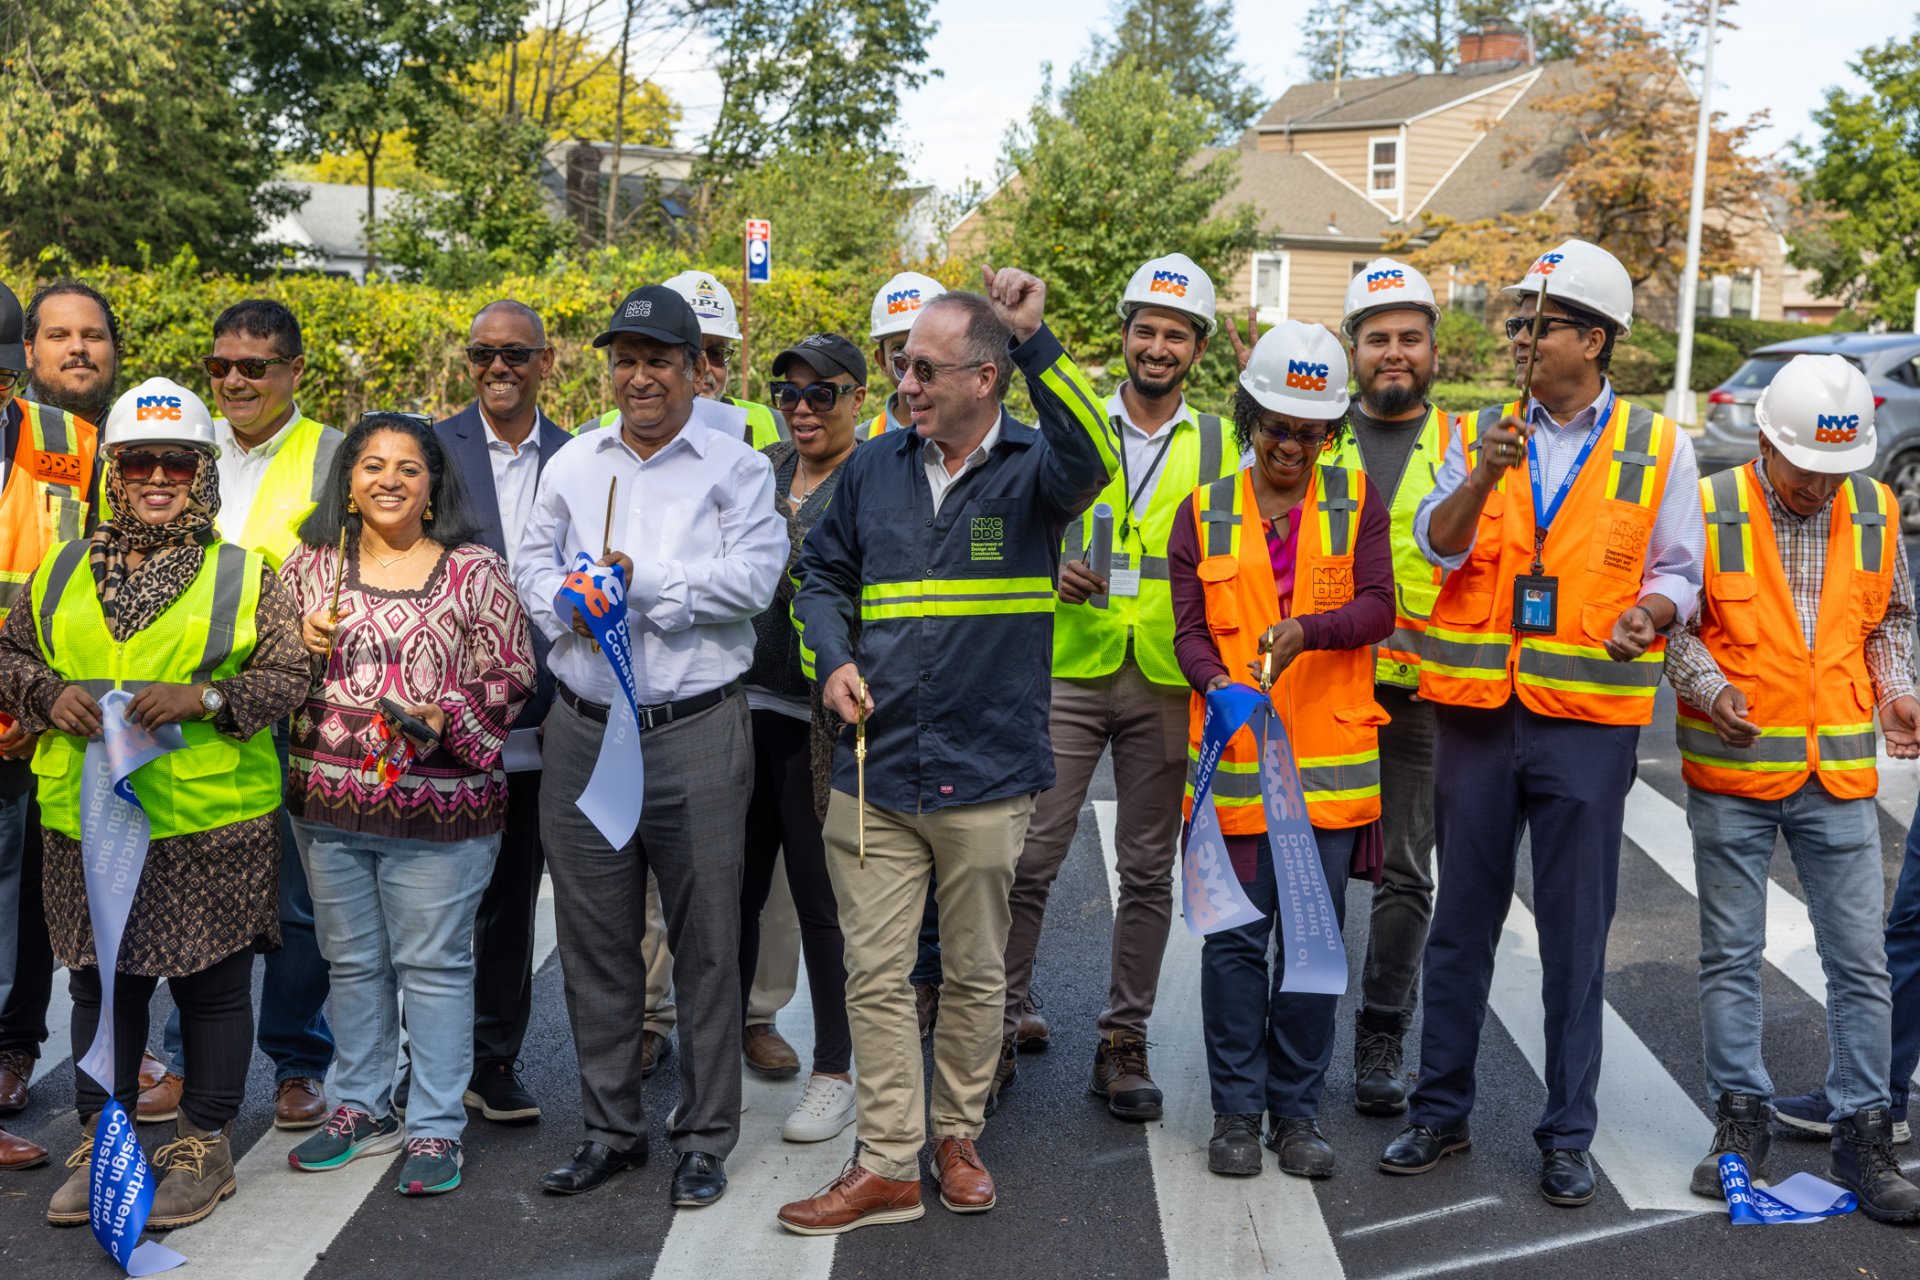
718 353
1521 324
925 370
481 357
8 377
217 367
176 466
820 396
1306 439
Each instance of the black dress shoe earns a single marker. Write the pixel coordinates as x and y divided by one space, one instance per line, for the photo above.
592 1164
698 1179
1419 1148
1566 1177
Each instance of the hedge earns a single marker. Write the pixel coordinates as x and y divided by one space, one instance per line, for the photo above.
1748 334
390 345
1643 361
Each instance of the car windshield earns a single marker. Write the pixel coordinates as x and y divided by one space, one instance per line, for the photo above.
1759 370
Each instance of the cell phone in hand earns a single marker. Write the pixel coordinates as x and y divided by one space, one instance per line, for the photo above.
411 725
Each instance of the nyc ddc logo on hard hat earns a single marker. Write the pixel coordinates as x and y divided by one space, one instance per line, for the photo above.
1544 265
1306 375
156 409
706 299
1836 428
1169 282
1378 280
902 301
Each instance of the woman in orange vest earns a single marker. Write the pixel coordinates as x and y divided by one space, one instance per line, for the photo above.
1294 559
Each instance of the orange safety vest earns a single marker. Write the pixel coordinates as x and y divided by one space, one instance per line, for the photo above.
45 499
1325 697
1815 710
1472 657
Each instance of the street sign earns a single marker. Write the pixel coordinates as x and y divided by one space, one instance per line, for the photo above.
759 251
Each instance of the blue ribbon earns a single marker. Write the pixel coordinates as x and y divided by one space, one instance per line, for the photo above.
1544 512
1801 1198
614 793
1315 957
114 834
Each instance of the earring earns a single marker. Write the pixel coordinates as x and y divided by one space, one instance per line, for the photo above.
429 515
353 508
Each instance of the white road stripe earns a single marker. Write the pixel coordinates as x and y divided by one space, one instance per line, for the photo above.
1213 1226
1412 1219
1547 1244
1899 786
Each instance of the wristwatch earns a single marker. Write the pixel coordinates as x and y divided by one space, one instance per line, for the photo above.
213 701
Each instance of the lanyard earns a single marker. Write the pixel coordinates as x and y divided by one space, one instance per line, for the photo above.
1153 469
1544 511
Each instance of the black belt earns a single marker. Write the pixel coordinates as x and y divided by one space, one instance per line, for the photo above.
661 713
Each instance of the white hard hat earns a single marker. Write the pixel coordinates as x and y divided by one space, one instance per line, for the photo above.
159 410
712 304
1386 285
1298 369
899 301
1818 412
1175 282
1584 275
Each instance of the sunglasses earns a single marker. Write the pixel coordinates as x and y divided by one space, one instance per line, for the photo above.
1306 439
481 357
1521 324
924 370
178 467
820 396
218 367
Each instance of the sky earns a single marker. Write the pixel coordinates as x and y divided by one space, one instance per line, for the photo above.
992 51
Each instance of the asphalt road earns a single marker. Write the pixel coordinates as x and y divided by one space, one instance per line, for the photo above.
1084 1195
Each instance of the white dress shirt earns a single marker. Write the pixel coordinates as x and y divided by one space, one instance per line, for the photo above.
515 472
935 459
708 549
1146 454
243 470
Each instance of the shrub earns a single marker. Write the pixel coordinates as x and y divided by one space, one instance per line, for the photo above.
1745 334
1643 361
1465 349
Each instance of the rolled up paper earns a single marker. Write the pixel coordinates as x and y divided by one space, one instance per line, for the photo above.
1100 550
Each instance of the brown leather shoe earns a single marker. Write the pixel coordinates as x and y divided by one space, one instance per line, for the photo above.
965 1184
767 1051
299 1103
151 1070
926 1006
1031 1033
654 1050
17 1153
16 1069
160 1103
857 1198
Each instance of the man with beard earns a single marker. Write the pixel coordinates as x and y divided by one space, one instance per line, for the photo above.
1116 683
73 350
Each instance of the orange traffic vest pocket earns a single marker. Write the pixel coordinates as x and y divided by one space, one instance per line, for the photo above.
1332 584
1363 715
1736 604
1217 574
1597 621
1619 546
1868 593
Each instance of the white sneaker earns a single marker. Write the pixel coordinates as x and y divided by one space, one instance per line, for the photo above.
824 1110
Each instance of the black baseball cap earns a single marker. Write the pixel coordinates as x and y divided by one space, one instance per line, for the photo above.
13 325
653 311
826 354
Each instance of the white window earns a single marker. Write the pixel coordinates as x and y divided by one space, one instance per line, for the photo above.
1736 295
1383 166
1270 286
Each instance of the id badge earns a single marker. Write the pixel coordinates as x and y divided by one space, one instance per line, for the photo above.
1536 605
1122 580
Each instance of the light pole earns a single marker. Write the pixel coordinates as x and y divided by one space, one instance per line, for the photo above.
1680 402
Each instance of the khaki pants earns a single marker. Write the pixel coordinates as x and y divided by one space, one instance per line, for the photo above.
774 978
970 851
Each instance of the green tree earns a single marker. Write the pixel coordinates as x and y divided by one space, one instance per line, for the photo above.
846 208
1192 43
353 73
1396 37
1103 177
1866 170
119 129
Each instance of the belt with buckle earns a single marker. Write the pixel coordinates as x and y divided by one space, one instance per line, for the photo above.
660 713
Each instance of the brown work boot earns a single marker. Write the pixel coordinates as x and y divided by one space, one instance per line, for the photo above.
857 1198
1030 1033
654 1050
68 1208
926 1006
199 1175
16 1069
1003 1074
1120 1076
965 1184
160 1101
300 1102
18 1153
767 1051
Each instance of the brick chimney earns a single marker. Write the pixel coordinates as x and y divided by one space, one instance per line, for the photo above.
1494 46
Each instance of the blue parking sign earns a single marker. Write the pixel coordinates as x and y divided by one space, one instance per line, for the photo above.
759 250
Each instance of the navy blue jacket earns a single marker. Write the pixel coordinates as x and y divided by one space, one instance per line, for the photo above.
955 609
464 436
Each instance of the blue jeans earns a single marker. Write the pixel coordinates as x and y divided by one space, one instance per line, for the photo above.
396 917
1903 963
1836 850
1267 1050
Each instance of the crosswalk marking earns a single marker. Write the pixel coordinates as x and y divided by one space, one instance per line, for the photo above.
1414 1219
1212 1226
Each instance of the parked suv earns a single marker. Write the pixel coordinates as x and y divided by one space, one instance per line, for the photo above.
1891 362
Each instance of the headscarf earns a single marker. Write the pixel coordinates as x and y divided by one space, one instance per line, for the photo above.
132 597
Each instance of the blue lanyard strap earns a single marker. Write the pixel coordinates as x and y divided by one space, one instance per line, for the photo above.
1544 511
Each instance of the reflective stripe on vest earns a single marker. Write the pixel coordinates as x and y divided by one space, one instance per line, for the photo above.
1814 708
295 478
44 501
954 598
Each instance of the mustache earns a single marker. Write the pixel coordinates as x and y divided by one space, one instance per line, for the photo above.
80 362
